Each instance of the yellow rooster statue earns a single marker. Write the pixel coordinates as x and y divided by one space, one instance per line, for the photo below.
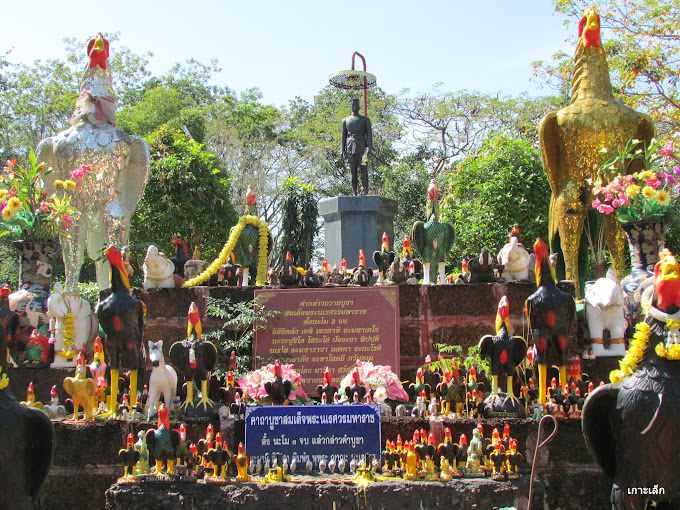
82 390
571 142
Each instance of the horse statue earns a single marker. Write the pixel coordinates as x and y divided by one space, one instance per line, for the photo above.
163 379
72 325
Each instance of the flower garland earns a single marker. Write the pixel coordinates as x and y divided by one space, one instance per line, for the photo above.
637 347
229 247
4 380
69 336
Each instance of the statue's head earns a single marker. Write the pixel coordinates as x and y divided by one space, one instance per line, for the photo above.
355 106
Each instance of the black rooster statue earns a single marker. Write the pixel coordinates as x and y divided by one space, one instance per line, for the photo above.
163 442
632 427
327 389
122 318
27 444
482 268
506 354
383 258
196 359
180 258
551 314
279 389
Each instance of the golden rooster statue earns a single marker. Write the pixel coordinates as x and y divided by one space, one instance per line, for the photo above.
82 390
571 142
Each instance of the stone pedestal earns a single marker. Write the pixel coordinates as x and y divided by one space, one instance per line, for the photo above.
354 223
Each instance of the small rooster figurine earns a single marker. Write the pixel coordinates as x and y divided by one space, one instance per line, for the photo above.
163 441
82 389
279 389
551 314
122 318
242 461
383 258
433 240
129 456
180 258
357 391
327 388
196 359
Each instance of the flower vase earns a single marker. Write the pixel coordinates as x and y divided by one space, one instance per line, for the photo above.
646 240
30 300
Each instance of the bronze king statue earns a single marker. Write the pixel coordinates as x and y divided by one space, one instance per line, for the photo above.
357 140
571 142
112 168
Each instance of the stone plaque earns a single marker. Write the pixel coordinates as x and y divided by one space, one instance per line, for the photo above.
330 328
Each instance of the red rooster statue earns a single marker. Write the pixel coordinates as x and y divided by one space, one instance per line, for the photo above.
196 359
122 318
551 314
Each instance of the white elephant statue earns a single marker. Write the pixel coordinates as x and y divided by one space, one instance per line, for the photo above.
109 166
158 270
604 310
71 319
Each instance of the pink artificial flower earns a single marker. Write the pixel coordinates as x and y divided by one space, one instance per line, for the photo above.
596 203
2 206
79 172
630 179
676 169
654 183
605 208
616 202
44 207
667 149
669 178
66 221
623 198
609 197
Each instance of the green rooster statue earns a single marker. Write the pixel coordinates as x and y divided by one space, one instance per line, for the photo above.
433 240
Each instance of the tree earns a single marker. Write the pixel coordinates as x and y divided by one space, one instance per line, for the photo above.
449 125
488 193
185 195
299 223
642 41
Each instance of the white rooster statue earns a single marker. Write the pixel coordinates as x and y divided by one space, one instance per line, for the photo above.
111 167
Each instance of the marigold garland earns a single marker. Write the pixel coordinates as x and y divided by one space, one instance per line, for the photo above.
637 347
672 353
69 336
229 247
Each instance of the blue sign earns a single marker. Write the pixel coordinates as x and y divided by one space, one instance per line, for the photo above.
313 431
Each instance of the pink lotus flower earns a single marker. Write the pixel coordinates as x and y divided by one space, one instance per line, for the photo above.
79 172
253 383
374 377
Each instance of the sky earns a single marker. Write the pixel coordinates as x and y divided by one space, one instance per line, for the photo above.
288 49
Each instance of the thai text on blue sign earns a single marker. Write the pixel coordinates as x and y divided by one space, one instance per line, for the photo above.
310 431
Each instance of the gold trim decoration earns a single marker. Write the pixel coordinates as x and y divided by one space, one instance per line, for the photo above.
390 296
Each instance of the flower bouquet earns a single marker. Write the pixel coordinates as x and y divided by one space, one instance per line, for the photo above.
253 384
647 195
28 212
377 378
